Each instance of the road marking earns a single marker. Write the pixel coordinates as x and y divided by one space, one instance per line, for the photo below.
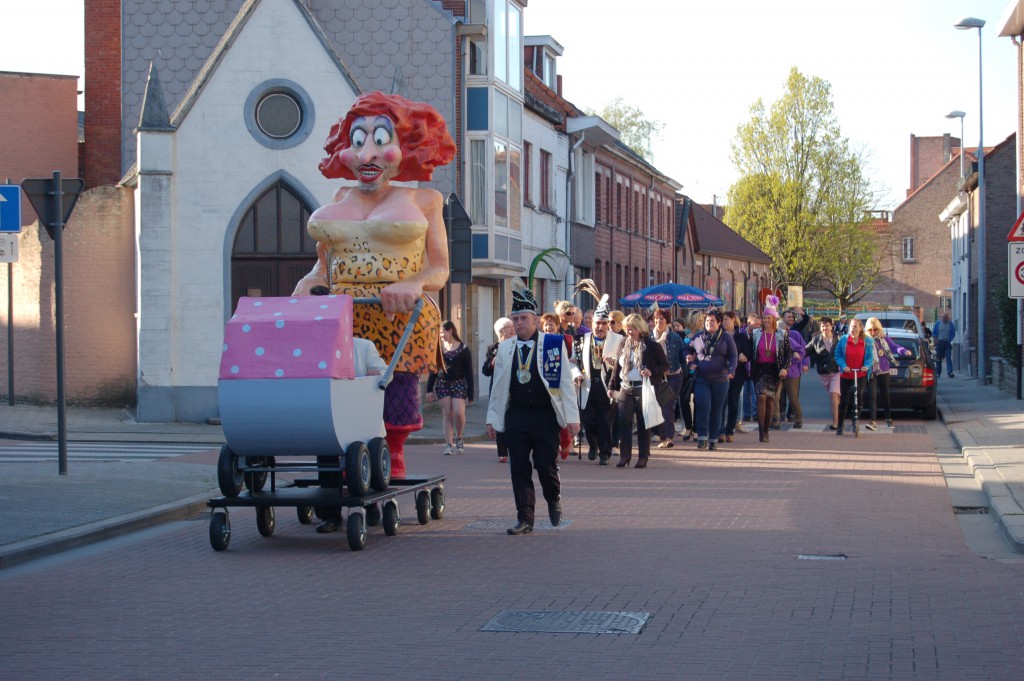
31 452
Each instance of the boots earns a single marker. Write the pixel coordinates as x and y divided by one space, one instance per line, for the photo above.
396 437
762 421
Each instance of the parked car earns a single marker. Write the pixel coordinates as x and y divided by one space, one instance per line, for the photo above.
896 320
912 386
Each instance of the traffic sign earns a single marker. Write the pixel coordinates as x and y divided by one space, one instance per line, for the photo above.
8 248
1017 231
10 208
40 192
1015 263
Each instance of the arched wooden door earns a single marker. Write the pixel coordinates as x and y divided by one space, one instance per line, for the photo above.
272 249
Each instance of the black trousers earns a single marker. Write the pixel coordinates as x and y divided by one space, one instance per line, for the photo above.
532 433
846 396
880 389
629 406
595 422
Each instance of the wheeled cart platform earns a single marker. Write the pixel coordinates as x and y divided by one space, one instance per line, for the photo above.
309 499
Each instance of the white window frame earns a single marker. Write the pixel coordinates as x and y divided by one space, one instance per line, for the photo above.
907 251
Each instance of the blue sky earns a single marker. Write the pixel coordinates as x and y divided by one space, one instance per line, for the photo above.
896 68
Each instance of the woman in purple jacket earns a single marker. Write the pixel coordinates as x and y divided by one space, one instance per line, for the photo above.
712 356
885 352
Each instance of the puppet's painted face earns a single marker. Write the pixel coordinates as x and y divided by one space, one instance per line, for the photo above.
373 154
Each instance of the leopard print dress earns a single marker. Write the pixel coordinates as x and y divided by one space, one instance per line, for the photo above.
363 257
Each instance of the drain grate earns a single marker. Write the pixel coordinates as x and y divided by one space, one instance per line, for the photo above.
821 556
496 524
970 510
910 429
568 622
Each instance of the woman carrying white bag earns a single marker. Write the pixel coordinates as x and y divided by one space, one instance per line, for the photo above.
639 358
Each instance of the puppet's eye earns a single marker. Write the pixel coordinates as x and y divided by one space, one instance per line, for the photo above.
381 136
358 138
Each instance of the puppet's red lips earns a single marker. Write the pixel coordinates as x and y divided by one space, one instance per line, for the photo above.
369 173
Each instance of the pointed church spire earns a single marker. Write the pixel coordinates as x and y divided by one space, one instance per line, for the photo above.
154 116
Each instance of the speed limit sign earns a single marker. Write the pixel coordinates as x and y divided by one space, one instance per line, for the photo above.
1015 261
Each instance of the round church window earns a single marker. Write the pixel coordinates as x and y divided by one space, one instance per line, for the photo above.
279 115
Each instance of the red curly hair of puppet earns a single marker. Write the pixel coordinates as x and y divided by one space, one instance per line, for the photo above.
422 135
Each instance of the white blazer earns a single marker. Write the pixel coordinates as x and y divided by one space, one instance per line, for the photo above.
588 372
505 366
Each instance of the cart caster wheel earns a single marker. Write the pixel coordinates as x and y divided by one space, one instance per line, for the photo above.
380 464
437 502
305 514
229 478
423 506
356 529
265 521
220 531
255 482
391 519
372 515
357 469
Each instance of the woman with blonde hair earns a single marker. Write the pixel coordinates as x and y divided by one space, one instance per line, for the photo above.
640 357
885 356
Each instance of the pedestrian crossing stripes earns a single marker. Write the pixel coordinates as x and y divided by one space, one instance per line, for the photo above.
32 452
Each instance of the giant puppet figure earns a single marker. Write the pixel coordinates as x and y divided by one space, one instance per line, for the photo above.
376 239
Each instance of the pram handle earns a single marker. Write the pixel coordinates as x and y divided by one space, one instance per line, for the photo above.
406 334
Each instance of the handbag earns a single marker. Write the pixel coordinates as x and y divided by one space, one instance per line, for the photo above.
665 394
649 404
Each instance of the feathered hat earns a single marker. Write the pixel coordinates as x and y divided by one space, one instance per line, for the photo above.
771 304
603 312
522 298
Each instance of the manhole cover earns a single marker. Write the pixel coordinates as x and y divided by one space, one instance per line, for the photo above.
500 524
822 556
568 622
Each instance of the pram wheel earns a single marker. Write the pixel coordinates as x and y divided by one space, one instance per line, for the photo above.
265 520
305 514
220 531
380 464
356 530
229 477
357 469
391 518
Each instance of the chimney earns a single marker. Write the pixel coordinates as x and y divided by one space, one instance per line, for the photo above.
102 147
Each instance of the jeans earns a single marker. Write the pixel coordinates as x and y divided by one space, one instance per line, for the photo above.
749 400
667 429
944 349
708 400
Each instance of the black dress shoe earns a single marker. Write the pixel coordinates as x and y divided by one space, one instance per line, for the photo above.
603 461
591 455
702 444
712 445
521 528
328 526
798 424
555 513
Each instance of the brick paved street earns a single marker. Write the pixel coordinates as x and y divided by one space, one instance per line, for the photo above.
708 543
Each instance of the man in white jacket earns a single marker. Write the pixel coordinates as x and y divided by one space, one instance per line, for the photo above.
532 400
591 374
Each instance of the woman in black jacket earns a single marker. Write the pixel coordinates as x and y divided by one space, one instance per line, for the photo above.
452 385
640 357
744 352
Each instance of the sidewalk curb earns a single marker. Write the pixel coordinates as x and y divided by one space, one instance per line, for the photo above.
57 542
1002 503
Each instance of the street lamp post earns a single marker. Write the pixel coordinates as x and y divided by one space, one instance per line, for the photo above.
963 25
960 115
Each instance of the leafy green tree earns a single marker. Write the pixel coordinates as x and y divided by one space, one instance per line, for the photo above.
803 195
635 130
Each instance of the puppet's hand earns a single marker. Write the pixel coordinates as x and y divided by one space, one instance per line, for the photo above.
400 297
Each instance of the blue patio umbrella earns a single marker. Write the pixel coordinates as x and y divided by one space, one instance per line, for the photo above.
666 295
